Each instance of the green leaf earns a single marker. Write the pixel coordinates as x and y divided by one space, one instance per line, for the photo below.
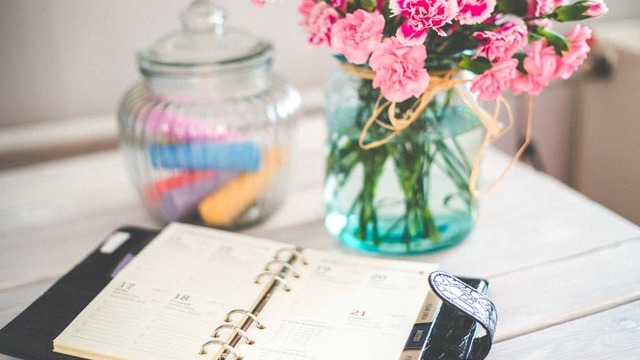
520 57
573 12
368 5
554 39
351 7
516 7
533 37
477 65
457 43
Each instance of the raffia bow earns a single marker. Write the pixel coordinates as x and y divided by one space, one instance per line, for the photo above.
494 129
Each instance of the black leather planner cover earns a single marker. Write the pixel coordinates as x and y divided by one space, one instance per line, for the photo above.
30 335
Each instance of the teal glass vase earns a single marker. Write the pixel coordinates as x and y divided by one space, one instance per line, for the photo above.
410 194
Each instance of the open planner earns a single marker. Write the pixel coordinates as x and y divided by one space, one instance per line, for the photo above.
201 294
198 293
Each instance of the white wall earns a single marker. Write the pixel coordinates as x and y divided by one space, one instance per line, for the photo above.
606 157
69 58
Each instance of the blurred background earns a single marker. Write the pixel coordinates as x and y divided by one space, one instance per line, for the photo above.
65 64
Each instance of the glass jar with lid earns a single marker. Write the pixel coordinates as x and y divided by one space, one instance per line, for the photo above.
207 134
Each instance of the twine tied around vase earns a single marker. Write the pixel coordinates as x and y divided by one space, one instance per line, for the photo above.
439 82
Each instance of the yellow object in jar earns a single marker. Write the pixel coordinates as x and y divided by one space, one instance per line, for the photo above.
224 206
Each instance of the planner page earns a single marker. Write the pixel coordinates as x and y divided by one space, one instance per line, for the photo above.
166 303
341 307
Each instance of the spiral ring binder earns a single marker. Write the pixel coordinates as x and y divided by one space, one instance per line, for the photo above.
276 277
283 264
246 313
292 252
236 329
239 330
226 346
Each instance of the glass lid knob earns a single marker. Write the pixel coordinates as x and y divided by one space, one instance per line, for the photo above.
203 16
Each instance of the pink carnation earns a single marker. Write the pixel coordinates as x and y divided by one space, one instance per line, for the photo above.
475 11
317 21
356 35
492 82
540 64
503 42
339 3
539 8
597 8
578 51
400 70
422 15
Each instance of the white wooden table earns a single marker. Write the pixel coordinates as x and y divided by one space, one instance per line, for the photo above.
564 271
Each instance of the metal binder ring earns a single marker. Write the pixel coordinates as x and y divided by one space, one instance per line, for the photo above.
229 348
284 264
292 252
244 312
235 328
276 277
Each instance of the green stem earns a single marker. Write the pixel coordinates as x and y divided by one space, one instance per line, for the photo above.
428 220
373 164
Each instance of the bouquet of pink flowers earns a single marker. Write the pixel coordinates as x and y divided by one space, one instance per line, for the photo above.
400 174
510 44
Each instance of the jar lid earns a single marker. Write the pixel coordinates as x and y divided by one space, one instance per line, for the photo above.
203 46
